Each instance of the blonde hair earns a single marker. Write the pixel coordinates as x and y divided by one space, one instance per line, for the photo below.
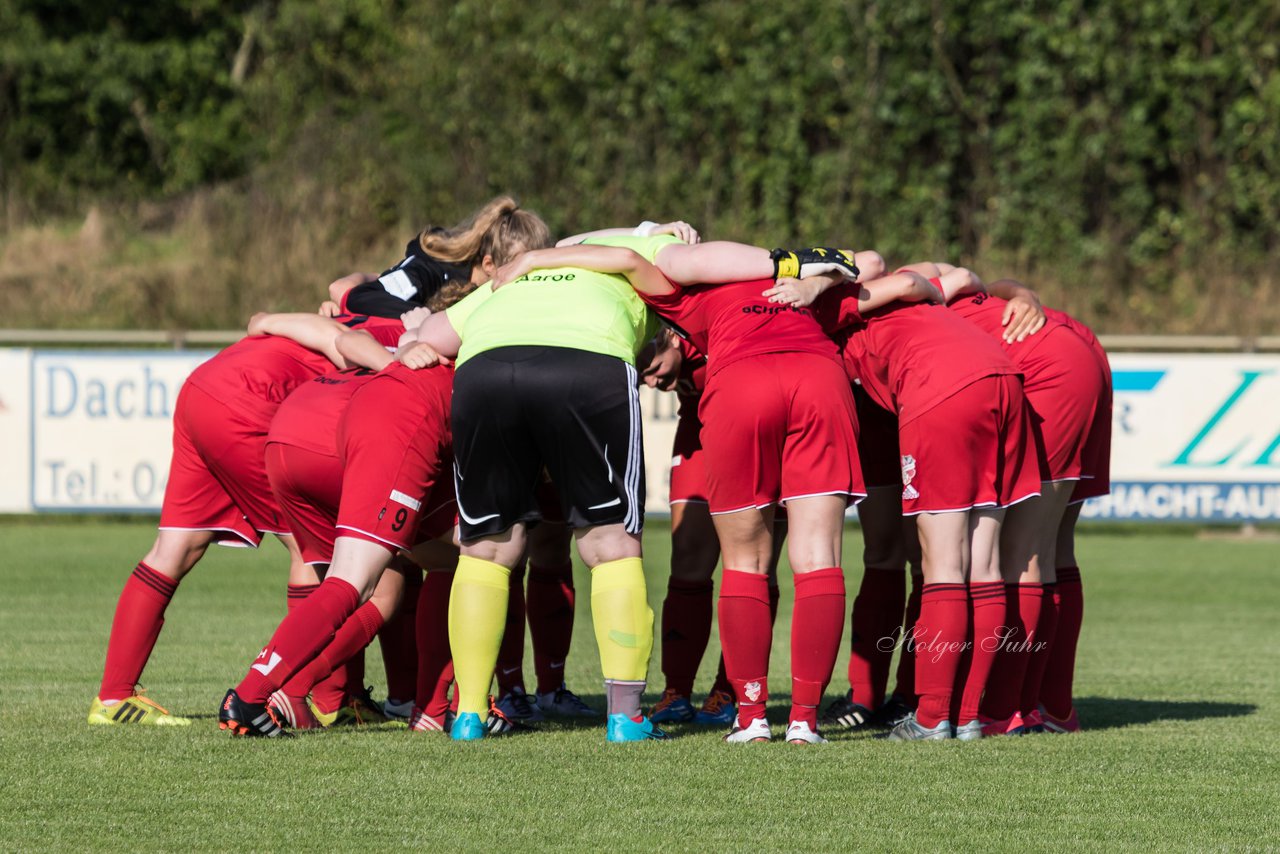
500 230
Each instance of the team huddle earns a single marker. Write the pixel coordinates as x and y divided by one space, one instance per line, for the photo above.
443 430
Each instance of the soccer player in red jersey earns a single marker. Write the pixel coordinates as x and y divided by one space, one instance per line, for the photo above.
695 551
217 490
304 465
1063 385
957 398
403 481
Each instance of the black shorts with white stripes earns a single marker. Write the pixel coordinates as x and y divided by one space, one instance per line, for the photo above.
517 410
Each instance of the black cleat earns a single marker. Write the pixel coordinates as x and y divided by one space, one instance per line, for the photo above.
249 719
893 712
843 712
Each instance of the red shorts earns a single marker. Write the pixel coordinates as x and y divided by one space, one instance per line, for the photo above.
217 478
1062 384
877 442
398 488
308 486
688 462
973 449
1096 456
779 426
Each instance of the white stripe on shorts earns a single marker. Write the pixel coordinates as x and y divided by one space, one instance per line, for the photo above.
631 478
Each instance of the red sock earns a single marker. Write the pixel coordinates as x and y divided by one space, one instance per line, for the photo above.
1004 685
1059 672
816 625
745 637
905 690
686 629
435 661
139 616
510 666
349 641
1038 658
874 625
987 606
399 648
304 632
940 636
295 593
550 603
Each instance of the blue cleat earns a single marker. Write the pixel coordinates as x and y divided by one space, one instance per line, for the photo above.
718 710
672 709
622 728
467 727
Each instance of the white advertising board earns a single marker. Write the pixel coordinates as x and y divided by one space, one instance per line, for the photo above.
1196 437
102 426
15 431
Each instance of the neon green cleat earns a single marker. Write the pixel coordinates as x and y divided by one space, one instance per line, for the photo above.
356 710
133 710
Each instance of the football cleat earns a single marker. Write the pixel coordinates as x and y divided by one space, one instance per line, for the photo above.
249 719
564 703
420 721
843 712
817 260
133 710
672 708
294 711
911 730
519 707
467 727
393 710
893 712
972 731
356 710
718 710
799 732
1032 722
1069 724
499 723
623 729
1011 725
756 730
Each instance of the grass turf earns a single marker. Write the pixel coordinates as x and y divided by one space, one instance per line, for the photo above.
1178 686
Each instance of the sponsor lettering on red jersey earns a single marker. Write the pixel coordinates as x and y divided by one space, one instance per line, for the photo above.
733 321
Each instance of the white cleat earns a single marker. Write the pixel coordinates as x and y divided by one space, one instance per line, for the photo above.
757 730
798 732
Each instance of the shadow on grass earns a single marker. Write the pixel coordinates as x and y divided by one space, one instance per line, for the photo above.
1099 713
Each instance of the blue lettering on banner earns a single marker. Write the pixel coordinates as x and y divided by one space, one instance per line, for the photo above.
69 391
1143 501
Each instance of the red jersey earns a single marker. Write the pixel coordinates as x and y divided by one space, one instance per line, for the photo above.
257 373
692 380
733 321
911 356
309 417
1075 326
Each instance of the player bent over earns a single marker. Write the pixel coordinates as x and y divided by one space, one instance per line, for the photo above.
217 490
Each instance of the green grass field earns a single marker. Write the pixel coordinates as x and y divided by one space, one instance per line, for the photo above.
1179 688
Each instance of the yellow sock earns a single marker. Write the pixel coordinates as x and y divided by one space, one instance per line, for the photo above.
623 619
477 615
